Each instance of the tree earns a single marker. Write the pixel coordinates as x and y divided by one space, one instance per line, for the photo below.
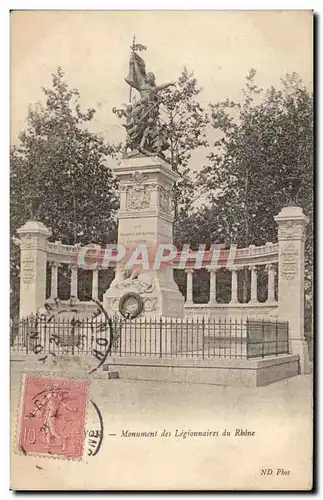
267 137
65 164
183 122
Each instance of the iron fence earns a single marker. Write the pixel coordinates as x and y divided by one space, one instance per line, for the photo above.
191 338
70 335
266 338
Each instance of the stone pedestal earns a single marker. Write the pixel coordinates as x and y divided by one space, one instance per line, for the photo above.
145 218
291 237
33 259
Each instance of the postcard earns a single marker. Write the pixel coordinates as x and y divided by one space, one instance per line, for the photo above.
161 250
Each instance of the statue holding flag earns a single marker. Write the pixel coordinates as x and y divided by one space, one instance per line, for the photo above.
144 131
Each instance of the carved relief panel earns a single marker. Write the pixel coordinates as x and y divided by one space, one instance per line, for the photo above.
164 199
138 197
291 230
28 241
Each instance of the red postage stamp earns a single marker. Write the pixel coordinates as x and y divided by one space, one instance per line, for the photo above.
52 416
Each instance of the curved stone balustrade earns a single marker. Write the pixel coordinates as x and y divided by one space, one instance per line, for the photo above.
255 255
285 259
250 258
252 255
68 254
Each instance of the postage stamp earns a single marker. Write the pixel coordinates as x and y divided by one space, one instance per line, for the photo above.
52 416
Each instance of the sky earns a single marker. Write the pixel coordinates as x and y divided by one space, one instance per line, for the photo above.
93 49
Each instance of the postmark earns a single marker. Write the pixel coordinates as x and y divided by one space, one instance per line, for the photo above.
104 335
52 416
95 435
58 330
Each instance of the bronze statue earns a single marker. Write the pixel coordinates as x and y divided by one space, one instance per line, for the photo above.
144 83
144 132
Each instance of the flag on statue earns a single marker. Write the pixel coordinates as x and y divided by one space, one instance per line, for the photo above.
137 71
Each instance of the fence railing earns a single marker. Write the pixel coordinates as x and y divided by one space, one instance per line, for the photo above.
266 338
186 337
72 335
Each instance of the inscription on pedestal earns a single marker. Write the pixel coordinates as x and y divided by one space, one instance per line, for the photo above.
139 235
28 269
289 263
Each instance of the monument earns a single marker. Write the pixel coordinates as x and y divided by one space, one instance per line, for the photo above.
145 217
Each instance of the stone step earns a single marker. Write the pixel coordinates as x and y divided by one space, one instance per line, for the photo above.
111 371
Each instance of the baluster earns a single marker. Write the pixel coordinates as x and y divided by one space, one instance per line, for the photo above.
95 283
234 286
254 296
271 284
189 286
54 280
74 280
212 286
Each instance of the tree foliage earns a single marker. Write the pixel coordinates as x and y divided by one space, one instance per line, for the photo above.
60 160
261 141
184 122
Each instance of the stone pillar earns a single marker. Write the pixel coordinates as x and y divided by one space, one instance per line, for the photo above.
33 260
291 238
74 280
254 283
95 283
145 223
54 281
234 286
212 286
189 286
271 284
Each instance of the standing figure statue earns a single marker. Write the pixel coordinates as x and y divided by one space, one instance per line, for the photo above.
48 411
144 134
144 83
